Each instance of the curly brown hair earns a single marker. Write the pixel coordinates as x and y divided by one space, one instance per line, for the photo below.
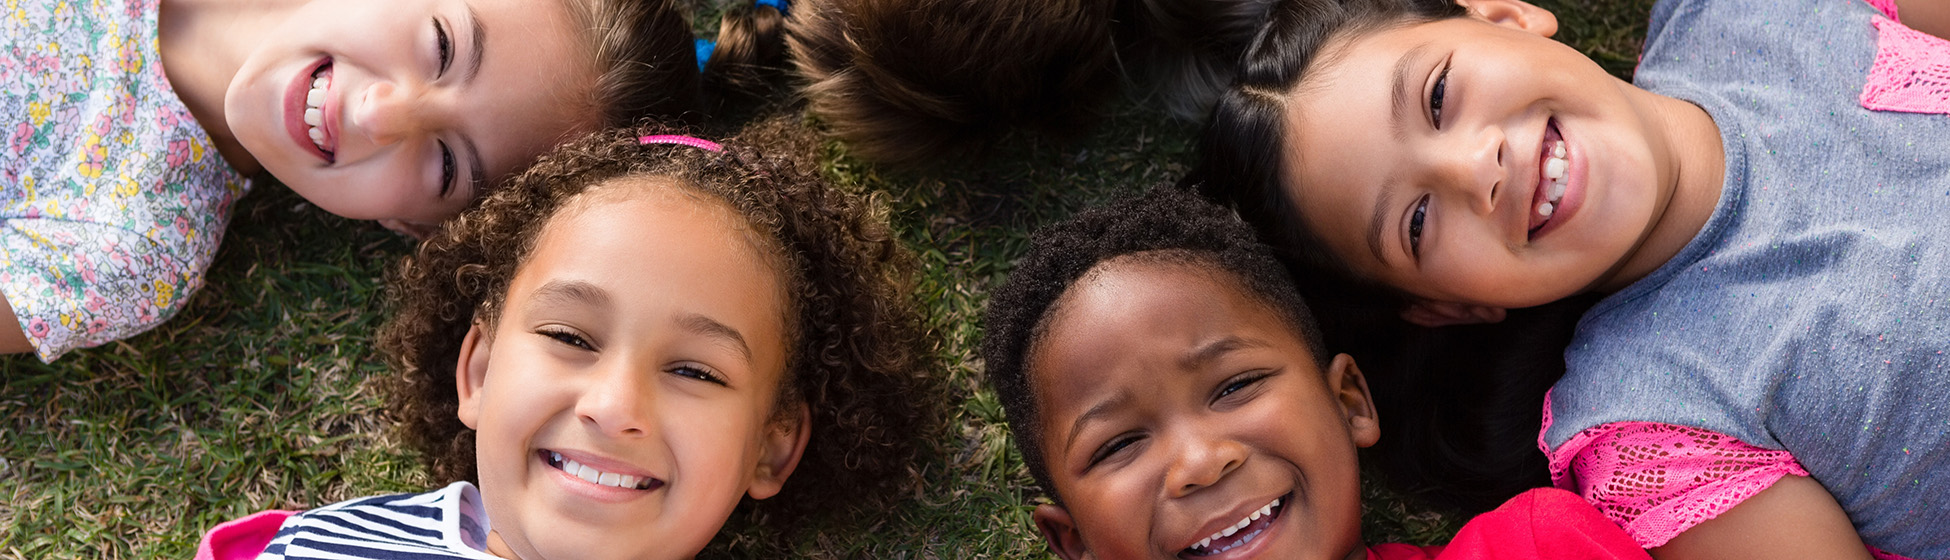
857 356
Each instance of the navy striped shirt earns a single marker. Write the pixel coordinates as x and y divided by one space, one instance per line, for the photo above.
442 524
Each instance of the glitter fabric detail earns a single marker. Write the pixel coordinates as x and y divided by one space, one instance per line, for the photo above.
1878 554
1658 480
1911 73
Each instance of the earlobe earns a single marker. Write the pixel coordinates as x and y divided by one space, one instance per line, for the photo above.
1060 531
470 373
1515 14
1442 314
1350 388
784 443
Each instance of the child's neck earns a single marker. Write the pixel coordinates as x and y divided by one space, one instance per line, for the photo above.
203 43
1693 181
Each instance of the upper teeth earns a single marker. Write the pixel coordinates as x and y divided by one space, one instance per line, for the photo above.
1234 528
595 476
1554 168
314 108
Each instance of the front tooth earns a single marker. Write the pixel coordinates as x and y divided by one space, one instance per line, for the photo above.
319 82
589 474
314 117
1545 209
1558 150
1554 168
610 479
316 98
1229 531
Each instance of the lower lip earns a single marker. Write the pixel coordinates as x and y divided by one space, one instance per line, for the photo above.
590 490
294 111
1567 205
1260 543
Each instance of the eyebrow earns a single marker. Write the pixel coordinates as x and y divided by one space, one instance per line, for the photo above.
480 43
1404 98
710 328
1210 351
1121 399
1383 201
570 292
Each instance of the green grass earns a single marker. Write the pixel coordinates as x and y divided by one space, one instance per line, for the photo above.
259 395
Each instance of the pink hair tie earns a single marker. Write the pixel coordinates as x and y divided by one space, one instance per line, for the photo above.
698 143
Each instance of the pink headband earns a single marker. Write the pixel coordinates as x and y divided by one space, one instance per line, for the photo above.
698 143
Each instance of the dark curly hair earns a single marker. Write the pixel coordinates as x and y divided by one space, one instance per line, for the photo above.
1166 223
857 356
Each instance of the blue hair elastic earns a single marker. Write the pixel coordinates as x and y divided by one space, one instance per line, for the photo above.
775 4
704 48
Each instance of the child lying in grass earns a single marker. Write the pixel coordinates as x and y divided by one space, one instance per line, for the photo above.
1762 209
625 343
1167 387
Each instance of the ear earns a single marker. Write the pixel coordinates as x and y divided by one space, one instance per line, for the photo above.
470 373
785 442
1515 14
1350 389
1060 531
1442 314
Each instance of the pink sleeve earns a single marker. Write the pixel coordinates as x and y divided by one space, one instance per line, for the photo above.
1658 480
242 538
1911 73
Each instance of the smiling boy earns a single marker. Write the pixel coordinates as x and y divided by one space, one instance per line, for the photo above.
1168 387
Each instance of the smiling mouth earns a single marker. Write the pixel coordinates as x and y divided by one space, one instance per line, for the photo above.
1554 175
593 476
321 84
1239 533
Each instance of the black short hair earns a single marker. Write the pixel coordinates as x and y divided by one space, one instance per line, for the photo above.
1171 223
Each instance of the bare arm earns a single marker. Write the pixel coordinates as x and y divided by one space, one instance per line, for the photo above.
1928 16
12 339
1794 518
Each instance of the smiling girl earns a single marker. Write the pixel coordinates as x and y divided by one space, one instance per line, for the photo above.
1761 210
134 125
626 342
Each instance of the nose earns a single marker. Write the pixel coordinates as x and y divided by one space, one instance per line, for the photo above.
389 112
617 402
1471 167
1199 463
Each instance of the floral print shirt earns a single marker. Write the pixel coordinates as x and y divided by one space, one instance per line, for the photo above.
112 198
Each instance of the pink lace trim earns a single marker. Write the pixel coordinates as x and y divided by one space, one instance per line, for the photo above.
1658 480
1911 73
1888 7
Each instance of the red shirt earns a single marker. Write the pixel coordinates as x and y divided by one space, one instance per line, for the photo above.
1543 523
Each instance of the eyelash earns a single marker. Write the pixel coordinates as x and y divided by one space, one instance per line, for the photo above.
1415 222
570 338
1111 448
444 46
1435 97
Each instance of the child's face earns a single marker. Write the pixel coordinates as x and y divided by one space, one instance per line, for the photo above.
422 101
1174 406
1450 210
642 343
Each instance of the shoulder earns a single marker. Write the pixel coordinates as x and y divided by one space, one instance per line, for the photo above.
430 524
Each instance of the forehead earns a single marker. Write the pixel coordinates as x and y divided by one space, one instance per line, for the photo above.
535 79
1347 131
1129 323
656 249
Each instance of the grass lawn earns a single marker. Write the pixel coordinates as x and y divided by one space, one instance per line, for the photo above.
260 394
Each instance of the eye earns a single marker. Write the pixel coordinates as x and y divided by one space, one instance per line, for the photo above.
1111 448
1415 220
699 373
1435 97
1239 383
568 337
446 169
443 46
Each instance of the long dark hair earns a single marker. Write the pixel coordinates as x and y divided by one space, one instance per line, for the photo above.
1460 406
